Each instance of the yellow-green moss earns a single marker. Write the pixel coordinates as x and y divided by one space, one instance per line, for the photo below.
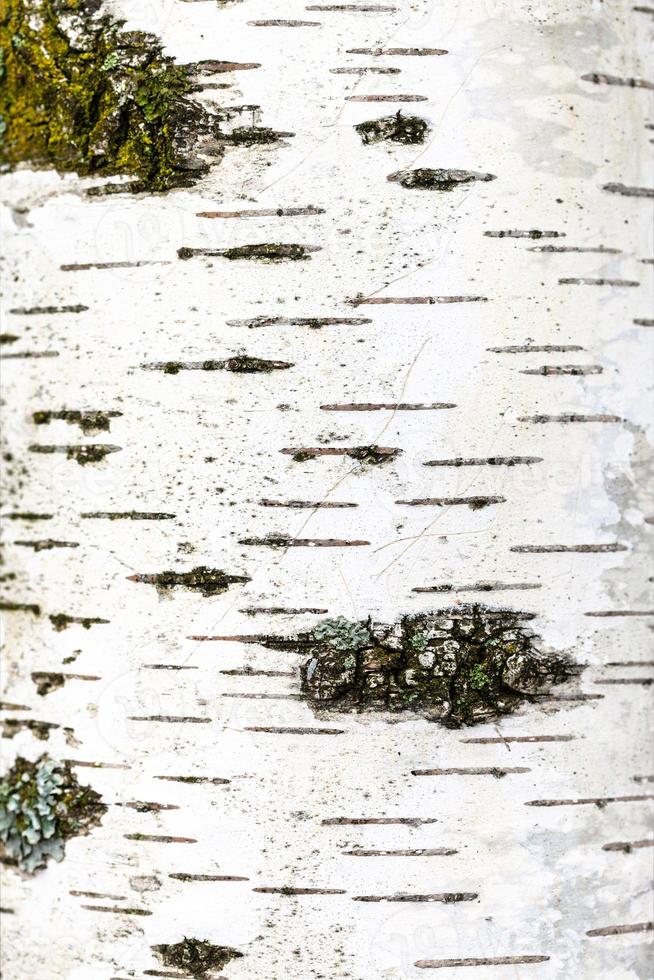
78 93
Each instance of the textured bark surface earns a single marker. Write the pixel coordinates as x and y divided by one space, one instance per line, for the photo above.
363 367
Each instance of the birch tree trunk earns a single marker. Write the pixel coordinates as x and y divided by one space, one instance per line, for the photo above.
433 398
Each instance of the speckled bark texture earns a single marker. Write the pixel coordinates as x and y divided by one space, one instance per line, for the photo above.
326 489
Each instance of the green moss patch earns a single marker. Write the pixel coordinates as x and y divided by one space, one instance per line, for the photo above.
80 94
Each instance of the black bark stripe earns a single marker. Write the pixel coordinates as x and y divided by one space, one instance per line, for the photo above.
399 52
479 961
488 461
86 266
354 8
82 894
557 370
282 611
286 542
96 765
262 697
572 417
645 681
599 281
622 930
160 838
475 503
550 549
601 249
127 515
628 846
192 780
307 504
386 98
42 310
273 730
391 406
521 233
447 898
262 213
120 911
496 771
27 354
406 852
479 587
499 739
287 890
626 191
415 300
172 719
595 800
609 613
601 78
142 806
284 23
377 821
366 70
183 876
535 348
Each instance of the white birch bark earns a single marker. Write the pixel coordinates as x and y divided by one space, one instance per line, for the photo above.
532 94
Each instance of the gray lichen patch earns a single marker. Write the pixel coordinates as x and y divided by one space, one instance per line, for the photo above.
206 581
88 421
42 805
428 179
395 129
458 666
197 957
